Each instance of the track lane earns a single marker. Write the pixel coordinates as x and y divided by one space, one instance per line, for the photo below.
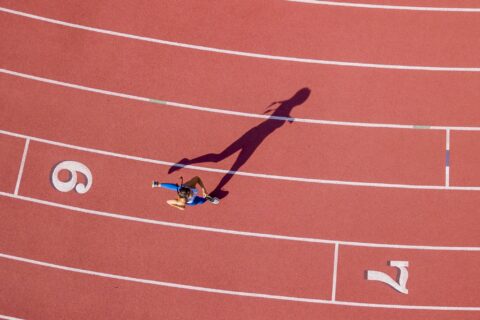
330 152
267 266
196 258
77 296
289 29
336 212
219 81
447 278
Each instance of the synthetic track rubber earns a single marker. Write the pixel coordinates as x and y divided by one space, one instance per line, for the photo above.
189 257
71 237
337 212
222 81
330 152
279 27
75 296
205 259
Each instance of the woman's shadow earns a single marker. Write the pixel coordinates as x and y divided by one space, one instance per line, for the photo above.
249 141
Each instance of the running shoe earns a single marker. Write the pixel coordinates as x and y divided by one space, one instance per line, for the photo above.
213 200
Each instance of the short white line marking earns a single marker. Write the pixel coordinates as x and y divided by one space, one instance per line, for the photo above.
240 53
447 176
447 145
236 113
335 266
230 292
233 232
243 173
22 164
386 7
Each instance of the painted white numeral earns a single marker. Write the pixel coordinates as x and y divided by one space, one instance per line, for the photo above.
401 285
72 167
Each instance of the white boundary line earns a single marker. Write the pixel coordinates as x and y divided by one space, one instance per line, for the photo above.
9 318
335 266
22 164
386 7
240 53
243 173
236 113
234 232
74 86
230 292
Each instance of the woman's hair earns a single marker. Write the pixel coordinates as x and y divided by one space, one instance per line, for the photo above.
183 192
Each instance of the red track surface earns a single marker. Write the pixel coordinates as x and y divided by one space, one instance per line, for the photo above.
243 247
290 29
238 83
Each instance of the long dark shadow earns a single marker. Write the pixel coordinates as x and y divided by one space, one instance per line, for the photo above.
249 141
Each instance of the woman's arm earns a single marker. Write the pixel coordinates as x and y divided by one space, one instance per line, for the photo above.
175 204
193 182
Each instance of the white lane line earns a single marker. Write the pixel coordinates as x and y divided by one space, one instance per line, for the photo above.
240 53
235 113
335 266
73 86
8 318
243 173
386 7
234 232
22 164
231 292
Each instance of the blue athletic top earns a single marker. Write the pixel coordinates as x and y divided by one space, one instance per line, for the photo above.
194 193
193 200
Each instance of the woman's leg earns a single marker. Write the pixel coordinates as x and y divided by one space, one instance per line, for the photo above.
169 186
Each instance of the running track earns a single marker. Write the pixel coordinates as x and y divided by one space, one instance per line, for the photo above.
379 164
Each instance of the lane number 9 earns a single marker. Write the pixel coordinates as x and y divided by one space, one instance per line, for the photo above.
73 169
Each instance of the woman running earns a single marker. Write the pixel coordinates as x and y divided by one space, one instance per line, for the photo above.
187 193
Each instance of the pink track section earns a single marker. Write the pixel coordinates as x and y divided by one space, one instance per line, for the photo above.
344 213
238 83
329 152
287 28
207 259
166 254
74 296
429 273
90 231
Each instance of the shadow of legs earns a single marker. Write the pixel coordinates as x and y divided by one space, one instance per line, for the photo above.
244 155
209 157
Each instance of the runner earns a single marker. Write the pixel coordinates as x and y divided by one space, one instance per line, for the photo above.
187 193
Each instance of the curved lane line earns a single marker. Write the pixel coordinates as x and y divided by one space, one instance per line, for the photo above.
9 318
386 7
239 53
243 173
231 292
234 232
235 113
